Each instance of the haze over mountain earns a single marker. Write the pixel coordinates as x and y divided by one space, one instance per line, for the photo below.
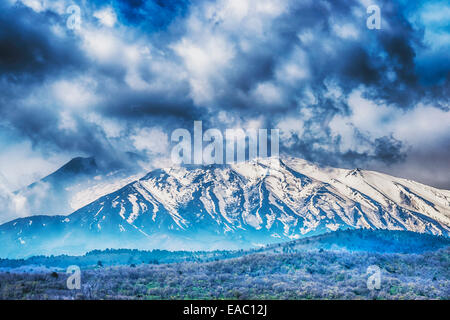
77 183
233 206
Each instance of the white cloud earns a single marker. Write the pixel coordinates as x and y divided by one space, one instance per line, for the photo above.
204 59
423 124
151 140
107 16
346 31
36 5
268 93
289 128
74 93
102 44
295 68
66 121
21 164
111 127
216 33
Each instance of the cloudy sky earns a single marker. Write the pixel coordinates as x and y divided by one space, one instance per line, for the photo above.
129 72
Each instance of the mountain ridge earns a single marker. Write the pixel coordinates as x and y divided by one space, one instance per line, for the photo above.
234 206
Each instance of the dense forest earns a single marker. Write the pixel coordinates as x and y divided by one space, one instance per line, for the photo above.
331 266
300 275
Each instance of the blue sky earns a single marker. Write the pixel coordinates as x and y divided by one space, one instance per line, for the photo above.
135 70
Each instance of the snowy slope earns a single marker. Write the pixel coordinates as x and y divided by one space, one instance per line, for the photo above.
234 206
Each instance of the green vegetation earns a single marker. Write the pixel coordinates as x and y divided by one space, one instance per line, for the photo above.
299 275
330 266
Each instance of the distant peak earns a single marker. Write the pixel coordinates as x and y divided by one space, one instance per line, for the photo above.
78 165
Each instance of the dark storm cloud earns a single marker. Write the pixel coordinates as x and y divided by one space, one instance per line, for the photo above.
32 54
28 51
297 60
352 61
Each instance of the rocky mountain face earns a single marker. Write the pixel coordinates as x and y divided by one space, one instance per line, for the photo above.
233 206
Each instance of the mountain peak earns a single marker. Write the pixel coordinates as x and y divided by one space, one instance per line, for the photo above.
234 206
76 166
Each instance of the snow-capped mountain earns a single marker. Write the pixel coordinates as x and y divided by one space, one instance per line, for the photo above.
233 206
